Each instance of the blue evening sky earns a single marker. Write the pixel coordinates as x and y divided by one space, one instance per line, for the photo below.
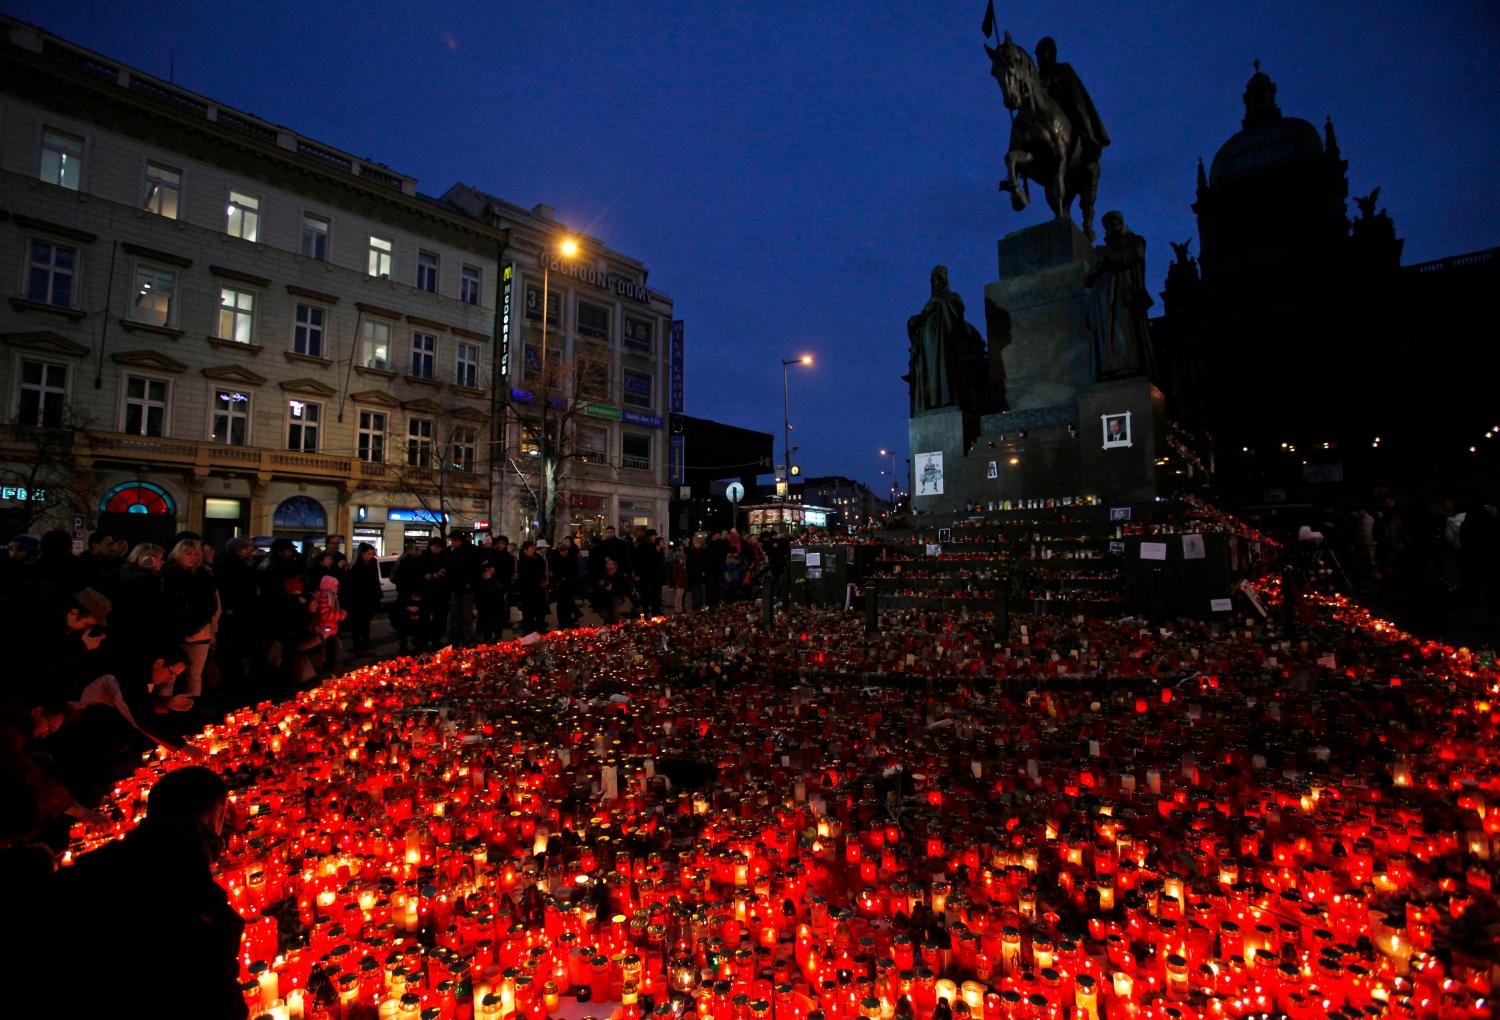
790 171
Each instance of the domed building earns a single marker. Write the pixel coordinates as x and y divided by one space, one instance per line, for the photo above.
1297 343
1271 207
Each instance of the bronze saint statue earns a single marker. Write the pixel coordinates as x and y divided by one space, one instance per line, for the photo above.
940 341
1056 135
1118 302
1066 89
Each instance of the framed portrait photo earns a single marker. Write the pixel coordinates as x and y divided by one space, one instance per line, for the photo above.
993 471
1116 429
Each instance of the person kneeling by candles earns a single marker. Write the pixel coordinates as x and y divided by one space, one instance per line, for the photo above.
145 911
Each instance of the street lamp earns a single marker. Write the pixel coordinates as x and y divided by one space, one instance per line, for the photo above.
786 417
891 454
567 248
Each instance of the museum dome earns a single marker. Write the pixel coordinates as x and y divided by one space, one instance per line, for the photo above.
1266 138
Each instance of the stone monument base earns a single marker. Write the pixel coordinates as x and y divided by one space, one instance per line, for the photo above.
939 441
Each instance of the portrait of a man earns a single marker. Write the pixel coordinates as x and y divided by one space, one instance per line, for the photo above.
1116 430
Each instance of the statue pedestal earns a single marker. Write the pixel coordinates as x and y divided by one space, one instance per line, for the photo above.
1039 309
941 437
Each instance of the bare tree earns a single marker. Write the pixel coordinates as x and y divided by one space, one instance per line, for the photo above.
41 471
439 468
548 415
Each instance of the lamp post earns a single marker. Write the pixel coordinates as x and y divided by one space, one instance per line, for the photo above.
567 248
786 419
892 454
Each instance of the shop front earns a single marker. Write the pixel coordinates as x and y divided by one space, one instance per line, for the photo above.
588 515
636 515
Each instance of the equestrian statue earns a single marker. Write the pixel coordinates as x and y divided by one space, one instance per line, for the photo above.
1056 136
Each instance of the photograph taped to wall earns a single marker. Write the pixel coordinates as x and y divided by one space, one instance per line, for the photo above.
929 473
1116 429
993 471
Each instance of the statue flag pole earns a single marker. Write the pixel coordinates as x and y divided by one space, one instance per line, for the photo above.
988 28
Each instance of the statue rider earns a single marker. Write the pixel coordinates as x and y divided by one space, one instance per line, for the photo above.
1066 89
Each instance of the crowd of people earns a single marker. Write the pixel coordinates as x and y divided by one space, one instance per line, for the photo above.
119 644
1433 565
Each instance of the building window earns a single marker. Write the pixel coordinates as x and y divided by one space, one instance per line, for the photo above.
145 406
372 436
465 442
637 335
163 189
44 392
637 389
51 279
531 361
591 443
534 305
423 354
467 371
427 271
231 418
376 347
307 331
380 256
62 159
236 315
315 236
635 448
152 300
593 321
530 438
469 286
419 443
244 216
303 418
592 379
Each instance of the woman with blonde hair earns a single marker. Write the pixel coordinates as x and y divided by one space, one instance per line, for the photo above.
192 604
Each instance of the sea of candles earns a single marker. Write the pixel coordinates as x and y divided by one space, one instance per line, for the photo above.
1091 819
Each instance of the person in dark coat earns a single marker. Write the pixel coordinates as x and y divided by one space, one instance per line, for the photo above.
192 603
648 566
234 575
361 595
465 575
437 593
610 547
499 570
140 626
531 589
148 905
563 569
611 593
411 588
97 564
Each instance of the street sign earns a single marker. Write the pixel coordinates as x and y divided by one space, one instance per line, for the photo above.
734 492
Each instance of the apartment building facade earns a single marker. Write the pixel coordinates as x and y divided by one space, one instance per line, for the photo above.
623 356
219 325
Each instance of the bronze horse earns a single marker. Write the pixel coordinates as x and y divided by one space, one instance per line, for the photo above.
1043 145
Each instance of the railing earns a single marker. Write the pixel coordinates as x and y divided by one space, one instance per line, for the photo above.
1473 258
636 463
186 453
163 92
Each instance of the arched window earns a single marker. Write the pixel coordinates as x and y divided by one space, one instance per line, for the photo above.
137 498
301 513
